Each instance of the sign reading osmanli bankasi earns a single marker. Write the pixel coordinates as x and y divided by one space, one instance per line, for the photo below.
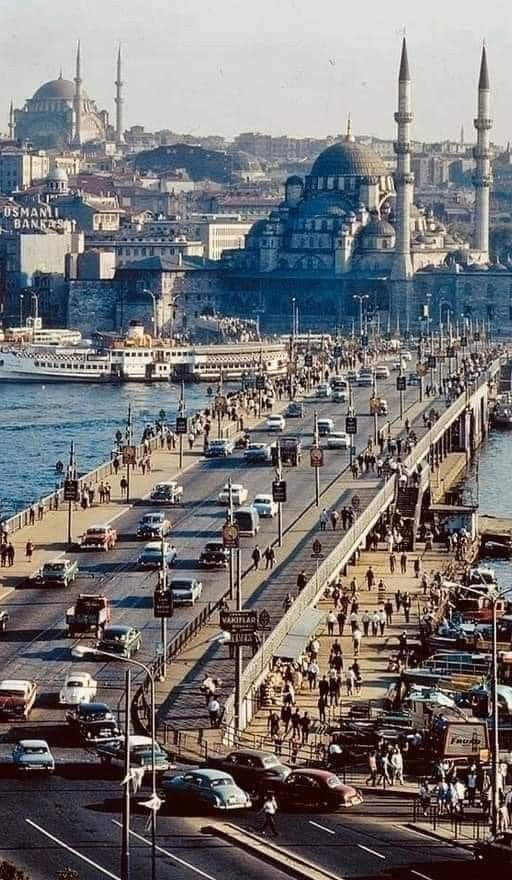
34 218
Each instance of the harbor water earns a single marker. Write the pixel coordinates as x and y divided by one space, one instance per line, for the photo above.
38 423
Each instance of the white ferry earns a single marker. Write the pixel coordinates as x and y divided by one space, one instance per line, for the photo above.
139 358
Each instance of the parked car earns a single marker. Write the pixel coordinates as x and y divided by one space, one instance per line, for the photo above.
265 505
153 553
219 448
33 755
294 410
495 852
308 789
169 492
258 453
122 640
58 572
94 722
185 590
79 687
239 494
338 440
275 423
252 769
17 697
102 537
153 525
205 790
141 754
214 555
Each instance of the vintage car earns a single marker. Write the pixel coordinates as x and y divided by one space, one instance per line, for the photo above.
294 410
205 790
121 640
33 755
307 789
58 573
219 448
258 453
99 537
169 492
153 553
214 555
239 494
141 754
17 697
265 505
185 590
252 769
153 525
275 423
79 687
94 723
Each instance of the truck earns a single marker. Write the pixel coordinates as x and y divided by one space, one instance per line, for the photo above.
291 449
57 573
17 697
89 615
102 537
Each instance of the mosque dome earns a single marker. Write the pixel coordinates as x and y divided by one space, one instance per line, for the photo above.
56 89
57 174
348 159
378 227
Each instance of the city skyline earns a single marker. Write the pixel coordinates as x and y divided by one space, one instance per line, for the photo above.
226 70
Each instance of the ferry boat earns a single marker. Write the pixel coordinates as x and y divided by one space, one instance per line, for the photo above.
502 413
140 358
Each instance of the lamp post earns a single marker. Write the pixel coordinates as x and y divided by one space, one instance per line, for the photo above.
361 297
35 300
21 310
85 651
155 318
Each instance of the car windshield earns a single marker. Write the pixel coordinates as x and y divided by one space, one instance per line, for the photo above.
334 781
181 585
96 531
270 761
55 566
34 750
262 499
75 683
216 783
12 692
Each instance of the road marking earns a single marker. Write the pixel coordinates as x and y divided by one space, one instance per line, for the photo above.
372 851
72 850
169 854
423 876
322 827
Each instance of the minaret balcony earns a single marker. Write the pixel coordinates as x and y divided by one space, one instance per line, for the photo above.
482 153
402 147
404 178
404 118
482 123
484 181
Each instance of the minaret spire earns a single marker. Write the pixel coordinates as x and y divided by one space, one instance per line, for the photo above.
349 137
404 179
119 99
482 154
11 121
78 97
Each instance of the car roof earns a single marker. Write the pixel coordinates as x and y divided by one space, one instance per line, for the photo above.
136 740
77 675
254 753
263 495
93 707
157 514
314 772
209 773
33 744
99 527
185 579
152 545
117 628
15 682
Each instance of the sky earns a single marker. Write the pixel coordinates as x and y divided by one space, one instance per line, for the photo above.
292 67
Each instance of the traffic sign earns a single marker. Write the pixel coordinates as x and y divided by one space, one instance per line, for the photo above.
181 424
242 638
316 457
71 490
163 605
129 454
351 424
239 620
401 383
308 360
162 414
317 549
231 536
260 383
279 490
352 450
264 618
356 502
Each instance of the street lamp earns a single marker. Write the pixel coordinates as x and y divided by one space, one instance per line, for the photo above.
361 297
35 300
21 310
154 801
155 320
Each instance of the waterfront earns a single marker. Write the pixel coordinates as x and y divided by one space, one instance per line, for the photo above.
38 423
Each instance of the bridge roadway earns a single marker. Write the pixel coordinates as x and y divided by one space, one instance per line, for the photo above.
36 645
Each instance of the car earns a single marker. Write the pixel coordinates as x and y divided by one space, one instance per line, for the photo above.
252 769
496 852
294 410
338 440
17 697
94 722
154 553
169 492
265 505
324 427
4 620
79 687
99 537
214 555
323 390
141 754
239 494
275 423
219 448
383 407
396 366
122 640
185 590
413 379
352 375
205 789
381 372
365 379
33 755
258 453
58 572
307 789
153 525
406 356
339 395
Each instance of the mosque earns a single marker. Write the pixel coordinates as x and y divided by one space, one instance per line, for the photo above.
61 114
350 233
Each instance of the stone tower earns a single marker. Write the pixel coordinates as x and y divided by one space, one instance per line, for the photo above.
11 121
404 179
482 154
119 100
77 101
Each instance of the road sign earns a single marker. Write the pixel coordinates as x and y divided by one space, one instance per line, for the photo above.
242 638
279 490
231 536
162 414
129 454
163 605
316 457
181 424
317 547
401 383
351 424
239 620
431 362
260 383
356 502
71 490
264 619
352 450
308 360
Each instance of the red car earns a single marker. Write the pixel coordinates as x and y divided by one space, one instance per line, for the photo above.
305 789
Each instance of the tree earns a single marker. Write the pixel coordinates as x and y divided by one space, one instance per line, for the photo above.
11 872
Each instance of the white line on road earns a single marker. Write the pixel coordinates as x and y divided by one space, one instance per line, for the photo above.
372 851
322 827
423 876
169 854
72 850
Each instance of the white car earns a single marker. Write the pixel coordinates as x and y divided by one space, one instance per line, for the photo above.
276 423
239 494
265 505
338 440
381 372
406 356
79 687
324 390
339 396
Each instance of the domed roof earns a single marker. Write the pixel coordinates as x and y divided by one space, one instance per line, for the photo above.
379 227
56 88
57 174
348 159
294 180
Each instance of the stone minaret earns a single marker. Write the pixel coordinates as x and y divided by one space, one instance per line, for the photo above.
11 121
119 100
77 137
482 154
404 179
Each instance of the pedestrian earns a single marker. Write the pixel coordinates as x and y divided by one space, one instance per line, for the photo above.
31 516
313 670
301 581
334 519
372 767
273 723
29 549
214 712
270 557
124 487
403 563
11 553
288 601
322 707
392 562
256 556
365 620
3 555
356 641
388 608
382 620
314 648
370 577
417 567
350 680
406 605
341 617
296 720
269 811
397 765
331 622
375 624
324 516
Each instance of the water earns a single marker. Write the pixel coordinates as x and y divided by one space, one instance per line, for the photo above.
38 422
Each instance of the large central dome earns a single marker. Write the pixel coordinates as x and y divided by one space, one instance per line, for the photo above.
348 159
56 88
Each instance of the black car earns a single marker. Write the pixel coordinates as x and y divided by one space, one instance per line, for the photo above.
214 555
495 852
94 722
252 770
294 410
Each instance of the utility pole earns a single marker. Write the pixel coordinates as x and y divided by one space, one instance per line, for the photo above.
279 503
129 443
400 390
375 411
125 843
316 445
71 476
238 648
181 410
219 405
231 557
163 621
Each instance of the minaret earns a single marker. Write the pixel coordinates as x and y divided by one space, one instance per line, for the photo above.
78 98
404 179
11 121
482 154
119 100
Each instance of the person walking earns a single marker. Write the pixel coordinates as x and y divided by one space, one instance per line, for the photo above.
365 620
356 641
370 577
270 557
3 555
331 622
256 557
305 725
313 670
388 608
301 581
403 563
392 562
372 767
214 712
29 550
269 811
334 519
324 517
341 617
11 553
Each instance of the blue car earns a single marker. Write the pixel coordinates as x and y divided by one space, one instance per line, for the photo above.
33 755
205 790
